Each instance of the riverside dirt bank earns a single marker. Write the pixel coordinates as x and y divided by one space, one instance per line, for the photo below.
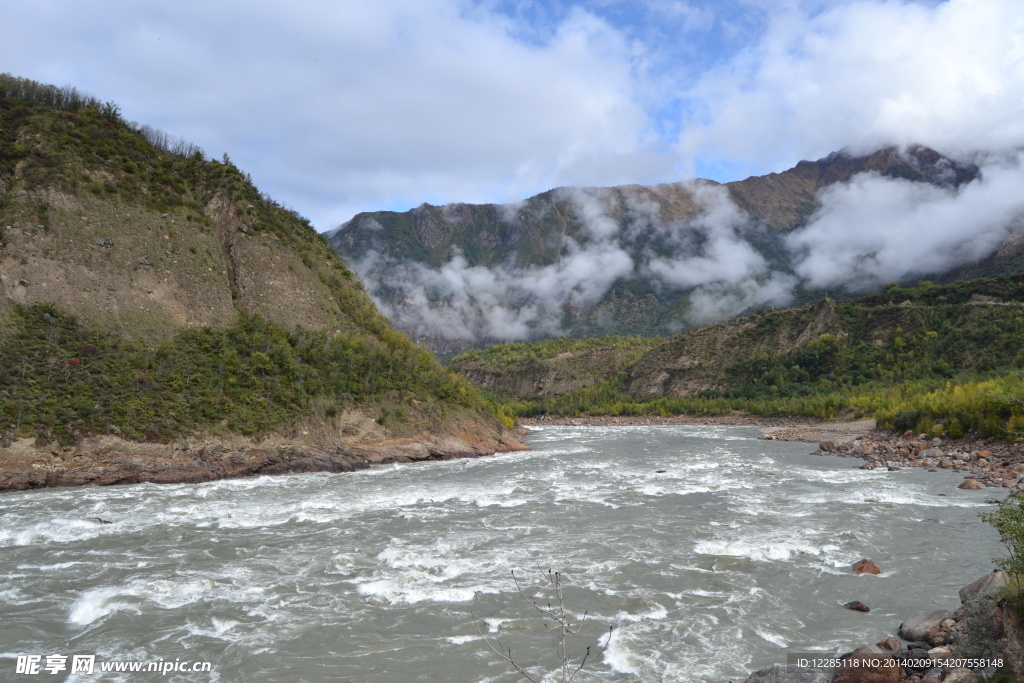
108 460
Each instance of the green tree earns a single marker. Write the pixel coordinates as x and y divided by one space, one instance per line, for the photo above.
1008 520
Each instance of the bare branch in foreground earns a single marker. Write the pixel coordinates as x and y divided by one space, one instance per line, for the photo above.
562 627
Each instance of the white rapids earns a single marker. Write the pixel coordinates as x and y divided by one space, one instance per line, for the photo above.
710 552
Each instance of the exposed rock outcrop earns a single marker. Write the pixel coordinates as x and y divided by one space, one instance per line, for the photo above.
869 664
918 628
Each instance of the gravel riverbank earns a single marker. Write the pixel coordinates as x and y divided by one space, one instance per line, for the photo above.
985 462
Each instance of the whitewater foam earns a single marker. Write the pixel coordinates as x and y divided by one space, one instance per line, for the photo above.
99 602
684 563
399 592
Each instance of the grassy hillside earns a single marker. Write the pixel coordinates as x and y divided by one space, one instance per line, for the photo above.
933 358
142 240
150 292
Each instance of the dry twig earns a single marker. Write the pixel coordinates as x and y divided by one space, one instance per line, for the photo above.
562 627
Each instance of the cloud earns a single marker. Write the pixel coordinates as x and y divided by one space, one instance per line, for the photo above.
862 75
708 255
874 230
724 256
463 301
338 106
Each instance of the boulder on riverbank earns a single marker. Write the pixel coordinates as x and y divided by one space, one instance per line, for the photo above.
916 630
870 664
786 673
892 643
988 583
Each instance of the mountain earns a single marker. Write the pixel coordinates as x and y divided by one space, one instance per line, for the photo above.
588 262
912 357
151 296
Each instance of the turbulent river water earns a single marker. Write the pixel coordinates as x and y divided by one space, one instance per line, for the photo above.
712 553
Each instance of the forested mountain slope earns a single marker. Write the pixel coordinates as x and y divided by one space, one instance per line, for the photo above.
909 356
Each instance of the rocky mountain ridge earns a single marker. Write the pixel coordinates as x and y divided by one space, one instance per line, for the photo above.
587 262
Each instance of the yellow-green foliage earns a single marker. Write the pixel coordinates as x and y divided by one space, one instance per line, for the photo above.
991 407
1008 520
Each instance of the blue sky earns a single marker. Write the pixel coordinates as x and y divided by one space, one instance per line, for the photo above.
340 106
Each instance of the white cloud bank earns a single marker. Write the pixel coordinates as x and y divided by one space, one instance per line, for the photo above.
863 75
708 254
874 230
338 106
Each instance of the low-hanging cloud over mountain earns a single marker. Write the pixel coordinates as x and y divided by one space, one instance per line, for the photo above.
864 232
874 229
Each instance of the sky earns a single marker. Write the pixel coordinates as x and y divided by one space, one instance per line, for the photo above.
341 106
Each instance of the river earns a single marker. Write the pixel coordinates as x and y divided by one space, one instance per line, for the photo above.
712 553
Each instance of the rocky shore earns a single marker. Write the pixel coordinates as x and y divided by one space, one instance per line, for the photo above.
981 638
984 462
110 460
